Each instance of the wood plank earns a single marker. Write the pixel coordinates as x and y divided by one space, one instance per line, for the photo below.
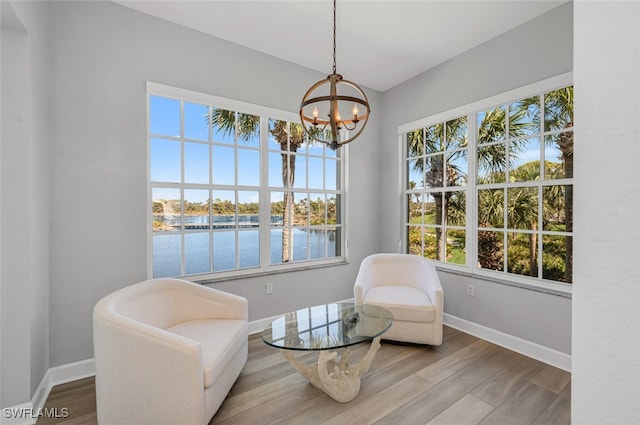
448 332
521 408
278 367
559 411
449 365
259 395
368 410
469 410
505 383
552 379
436 400
265 361
273 410
455 343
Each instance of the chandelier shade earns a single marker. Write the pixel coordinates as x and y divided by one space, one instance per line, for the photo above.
323 107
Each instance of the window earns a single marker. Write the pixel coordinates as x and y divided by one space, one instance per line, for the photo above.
514 215
436 192
237 188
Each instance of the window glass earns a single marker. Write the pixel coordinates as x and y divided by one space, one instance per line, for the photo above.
206 181
196 121
165 116
520 201
196 163
165 160
492 125
437 168
223 123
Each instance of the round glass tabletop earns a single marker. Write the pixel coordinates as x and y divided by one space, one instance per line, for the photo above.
327 326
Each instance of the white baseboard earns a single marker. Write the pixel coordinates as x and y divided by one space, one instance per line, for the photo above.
513 343
71 372
42 392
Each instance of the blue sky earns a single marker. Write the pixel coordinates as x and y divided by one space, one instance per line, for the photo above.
311 172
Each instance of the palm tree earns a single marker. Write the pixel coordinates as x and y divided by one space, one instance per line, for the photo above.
290 136
523 117
558 116
447 138
523 209
451 138
490 214
493 159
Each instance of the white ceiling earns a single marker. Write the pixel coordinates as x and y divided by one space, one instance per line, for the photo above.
379 43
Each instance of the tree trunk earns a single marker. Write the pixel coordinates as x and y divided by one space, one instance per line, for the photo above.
441 219
533 251
287 218
568 241
288 178
566 147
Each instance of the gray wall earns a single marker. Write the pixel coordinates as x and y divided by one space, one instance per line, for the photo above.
606 332
102 55
24 224
539 49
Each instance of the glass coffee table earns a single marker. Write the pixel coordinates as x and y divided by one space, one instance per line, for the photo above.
328 327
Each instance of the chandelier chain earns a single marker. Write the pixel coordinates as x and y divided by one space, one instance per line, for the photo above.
334 36
329 128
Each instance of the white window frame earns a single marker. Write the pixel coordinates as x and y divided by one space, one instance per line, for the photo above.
265 113
471 267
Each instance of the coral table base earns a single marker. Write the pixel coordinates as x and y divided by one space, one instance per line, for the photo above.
339 379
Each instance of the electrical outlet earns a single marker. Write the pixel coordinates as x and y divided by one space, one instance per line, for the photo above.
470 291
268 288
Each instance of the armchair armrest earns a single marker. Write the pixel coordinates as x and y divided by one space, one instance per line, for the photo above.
364 282
430 283
203 302
167 302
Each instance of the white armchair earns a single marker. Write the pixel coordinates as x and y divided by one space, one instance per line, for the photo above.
167 351
408 286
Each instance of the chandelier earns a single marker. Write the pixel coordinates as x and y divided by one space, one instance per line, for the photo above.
320 113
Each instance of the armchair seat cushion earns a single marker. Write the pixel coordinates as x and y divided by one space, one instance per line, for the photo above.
221 341
405 303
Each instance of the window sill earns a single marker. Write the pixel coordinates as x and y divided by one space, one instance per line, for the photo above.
563 290
209 279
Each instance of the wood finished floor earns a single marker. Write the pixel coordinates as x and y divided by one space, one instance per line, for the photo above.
465 381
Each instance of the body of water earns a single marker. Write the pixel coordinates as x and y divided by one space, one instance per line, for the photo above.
232 249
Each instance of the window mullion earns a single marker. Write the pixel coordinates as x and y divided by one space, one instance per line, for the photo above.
539 230
471 198
342 165
264 196
210 125
183 245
